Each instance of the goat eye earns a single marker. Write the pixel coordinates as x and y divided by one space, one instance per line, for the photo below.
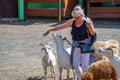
60 36
109 50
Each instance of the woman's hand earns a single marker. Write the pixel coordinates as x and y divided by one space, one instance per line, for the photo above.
46 33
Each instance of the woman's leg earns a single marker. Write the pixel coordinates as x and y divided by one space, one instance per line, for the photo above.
85 61
77 62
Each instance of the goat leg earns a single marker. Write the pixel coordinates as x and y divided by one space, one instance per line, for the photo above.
51 70
60 73
45 72
68 71
54 74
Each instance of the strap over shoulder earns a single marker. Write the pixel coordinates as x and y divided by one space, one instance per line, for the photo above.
88 20
93 37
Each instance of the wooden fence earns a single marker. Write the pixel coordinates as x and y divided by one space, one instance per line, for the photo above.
104 9
43 8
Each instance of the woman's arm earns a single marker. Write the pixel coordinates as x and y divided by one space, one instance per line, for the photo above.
92 31
90 27
60 26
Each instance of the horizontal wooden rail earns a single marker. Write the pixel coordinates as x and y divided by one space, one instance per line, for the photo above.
51 12
105 15
104 0
104 10
43 1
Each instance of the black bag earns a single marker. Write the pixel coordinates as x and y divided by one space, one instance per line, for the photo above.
87 48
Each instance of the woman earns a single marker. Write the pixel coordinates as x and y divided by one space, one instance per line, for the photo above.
80 26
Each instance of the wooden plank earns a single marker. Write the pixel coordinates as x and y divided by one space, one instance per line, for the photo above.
43 1
104 10
44 12
104 0
105 15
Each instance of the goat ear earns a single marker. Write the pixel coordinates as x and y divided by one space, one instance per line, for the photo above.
47 46
114 47
50 48
50 43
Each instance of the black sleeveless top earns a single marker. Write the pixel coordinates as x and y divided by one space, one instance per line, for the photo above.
79 33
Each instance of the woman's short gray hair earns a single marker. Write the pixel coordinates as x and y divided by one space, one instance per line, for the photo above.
78 11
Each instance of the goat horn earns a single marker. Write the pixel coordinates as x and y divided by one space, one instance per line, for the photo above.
64 38
115 47
41 44
67 40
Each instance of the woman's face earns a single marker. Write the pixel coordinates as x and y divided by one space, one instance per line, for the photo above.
77 17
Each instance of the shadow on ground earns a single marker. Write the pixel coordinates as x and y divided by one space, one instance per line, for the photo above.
99 23
42 78
36 78
30 22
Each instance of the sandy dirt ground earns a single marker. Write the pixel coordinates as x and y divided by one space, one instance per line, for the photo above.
20 55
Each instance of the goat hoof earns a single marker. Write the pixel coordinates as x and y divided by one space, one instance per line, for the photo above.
45 78
60 78
67 77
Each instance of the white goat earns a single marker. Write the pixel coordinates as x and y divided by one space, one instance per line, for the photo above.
101 44
113 57
48 59
63 59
